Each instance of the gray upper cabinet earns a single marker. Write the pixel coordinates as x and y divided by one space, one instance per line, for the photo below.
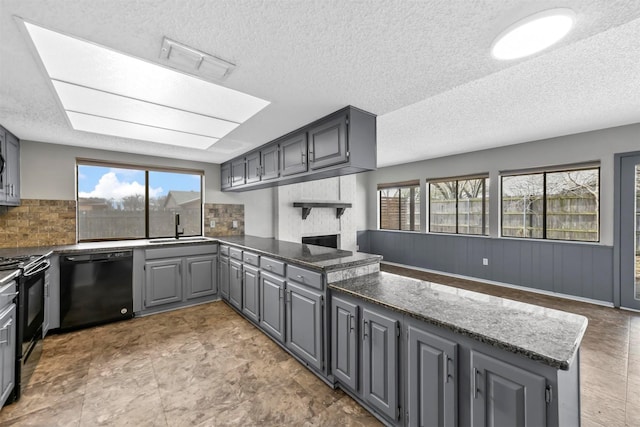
224 277
293 154
432 395
238 174
505 395
225 176
163 282
341 143
253 167
328 143
250 292
304 324
344 342
235 284
270 162
202 277
10 165
380 362
272 313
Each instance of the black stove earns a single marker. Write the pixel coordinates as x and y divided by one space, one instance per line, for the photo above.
23 262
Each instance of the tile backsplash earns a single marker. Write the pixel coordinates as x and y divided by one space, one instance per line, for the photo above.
38 223
223 215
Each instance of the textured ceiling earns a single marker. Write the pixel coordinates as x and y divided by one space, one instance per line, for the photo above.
423 66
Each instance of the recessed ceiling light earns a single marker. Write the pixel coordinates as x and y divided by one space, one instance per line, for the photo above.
108 92
533 34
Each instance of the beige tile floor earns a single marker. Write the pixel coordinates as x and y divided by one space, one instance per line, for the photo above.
207 366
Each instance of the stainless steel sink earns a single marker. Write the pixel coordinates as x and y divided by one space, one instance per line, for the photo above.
180 240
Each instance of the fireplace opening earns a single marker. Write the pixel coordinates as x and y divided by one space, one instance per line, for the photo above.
329 241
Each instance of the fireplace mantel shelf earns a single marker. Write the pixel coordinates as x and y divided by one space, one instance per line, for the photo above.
307 206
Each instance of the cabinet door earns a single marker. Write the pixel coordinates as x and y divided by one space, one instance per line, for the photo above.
235 284
3 165
237 172
344 344
328 143
304 324
293 155
163 282
272 305
269 163
225 175
432 378
7 352
224 277
380 362
250 292
505 395
47 303
202 279
253 167
12 186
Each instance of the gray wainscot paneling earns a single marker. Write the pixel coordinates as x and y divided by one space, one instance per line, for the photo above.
576 269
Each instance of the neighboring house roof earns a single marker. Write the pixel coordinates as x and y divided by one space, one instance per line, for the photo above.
181 198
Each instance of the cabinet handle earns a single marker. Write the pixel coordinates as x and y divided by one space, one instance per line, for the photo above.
303 158
364 332
13 294
268 266
258 171
300 277
351 328
311 156
446 368
280 293
475 383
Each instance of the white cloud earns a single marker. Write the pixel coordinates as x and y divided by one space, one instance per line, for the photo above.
110 187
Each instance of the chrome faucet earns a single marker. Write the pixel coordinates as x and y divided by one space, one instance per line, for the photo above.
177 221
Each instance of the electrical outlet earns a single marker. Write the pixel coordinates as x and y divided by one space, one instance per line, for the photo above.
212 224
234 224
485 261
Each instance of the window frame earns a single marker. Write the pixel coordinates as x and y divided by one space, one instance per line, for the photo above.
544 172
411 185
485 221
146 169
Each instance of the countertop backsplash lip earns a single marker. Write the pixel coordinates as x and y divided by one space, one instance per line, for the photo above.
546 335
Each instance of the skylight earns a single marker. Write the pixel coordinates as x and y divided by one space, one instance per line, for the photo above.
533 34
107 92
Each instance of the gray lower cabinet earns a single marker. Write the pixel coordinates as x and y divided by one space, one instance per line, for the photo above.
328 143
7 350
224 277
380 363
251 292
163 282
304 331
47 303
505 395
202 276
344 342
235 284
432 377
272 309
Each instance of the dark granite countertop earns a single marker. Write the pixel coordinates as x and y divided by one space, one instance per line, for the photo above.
311 256
543 334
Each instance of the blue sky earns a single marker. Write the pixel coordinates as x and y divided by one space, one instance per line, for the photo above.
115 183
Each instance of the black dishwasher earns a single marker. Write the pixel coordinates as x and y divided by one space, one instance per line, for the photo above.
95 288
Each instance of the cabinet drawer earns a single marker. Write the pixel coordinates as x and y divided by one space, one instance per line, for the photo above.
252 259
235 253
7 293
272 266
306 277
224 250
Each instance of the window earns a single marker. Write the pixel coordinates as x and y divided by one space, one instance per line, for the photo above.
459 206
124 202
400 206
558 205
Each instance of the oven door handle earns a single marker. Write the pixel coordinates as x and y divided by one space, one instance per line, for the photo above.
45 265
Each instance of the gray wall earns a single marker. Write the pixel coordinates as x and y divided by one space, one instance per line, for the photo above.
577 269
48 172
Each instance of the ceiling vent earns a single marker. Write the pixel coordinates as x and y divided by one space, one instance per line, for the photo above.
184 58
